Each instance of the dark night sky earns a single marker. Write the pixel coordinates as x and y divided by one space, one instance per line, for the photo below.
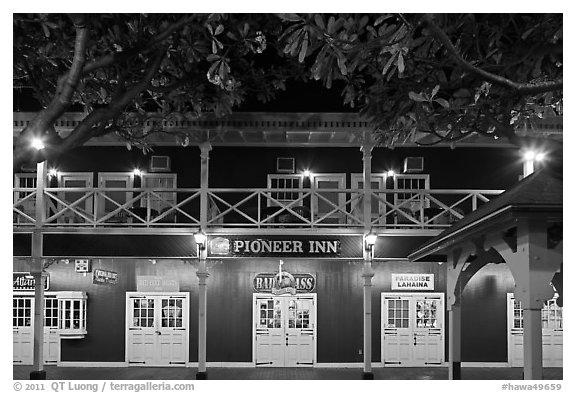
298 97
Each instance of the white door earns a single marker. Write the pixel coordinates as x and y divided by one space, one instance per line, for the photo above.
23 330
157 329
378 208
412 329
112 200
81 210
159 201
552 333
329 207
284 330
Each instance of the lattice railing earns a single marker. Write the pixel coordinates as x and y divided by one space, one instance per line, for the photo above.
250 208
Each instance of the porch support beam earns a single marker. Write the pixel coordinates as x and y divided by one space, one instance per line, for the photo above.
533 266
202 272
38 371
455 266
367 271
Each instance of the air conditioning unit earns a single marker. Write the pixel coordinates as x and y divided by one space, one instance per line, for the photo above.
28 167
413 165
159 164
285 165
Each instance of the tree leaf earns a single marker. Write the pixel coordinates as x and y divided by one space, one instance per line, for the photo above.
416 97
289 17
303 48
435 90
400 63
443 102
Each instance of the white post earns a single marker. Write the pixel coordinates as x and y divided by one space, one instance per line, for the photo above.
454 340
367 271
202 275
38 371
202 272
532 343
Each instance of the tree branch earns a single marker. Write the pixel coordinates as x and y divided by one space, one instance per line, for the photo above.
520 88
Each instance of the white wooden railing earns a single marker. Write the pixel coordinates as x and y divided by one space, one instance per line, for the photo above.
246 208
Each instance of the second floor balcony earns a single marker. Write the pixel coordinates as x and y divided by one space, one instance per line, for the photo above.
221 209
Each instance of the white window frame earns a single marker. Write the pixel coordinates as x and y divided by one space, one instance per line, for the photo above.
62 297
27 207
275 194
416 206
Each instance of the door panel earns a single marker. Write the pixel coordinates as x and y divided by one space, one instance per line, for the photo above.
329 206
110 201
284 330
23 331
552 333
157 330
412 332
85 206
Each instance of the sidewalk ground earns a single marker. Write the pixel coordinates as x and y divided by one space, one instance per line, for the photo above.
182 373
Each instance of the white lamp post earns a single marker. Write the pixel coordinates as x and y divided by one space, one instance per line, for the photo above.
202 274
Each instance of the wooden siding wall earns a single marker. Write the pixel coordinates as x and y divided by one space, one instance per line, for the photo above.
339 308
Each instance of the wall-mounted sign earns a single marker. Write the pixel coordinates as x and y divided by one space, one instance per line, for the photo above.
82 266
277 246
157 284
104 277
422 282
273 283
284 283
24 281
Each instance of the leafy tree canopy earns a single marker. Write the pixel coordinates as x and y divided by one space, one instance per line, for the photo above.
444 75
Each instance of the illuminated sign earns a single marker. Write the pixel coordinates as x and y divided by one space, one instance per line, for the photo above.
24 281
422 282
275 246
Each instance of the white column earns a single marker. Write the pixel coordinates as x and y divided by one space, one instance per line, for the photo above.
454 342
202 275
38 266
367 274
533 266
454 267
367 271
205 148
532 343
202 272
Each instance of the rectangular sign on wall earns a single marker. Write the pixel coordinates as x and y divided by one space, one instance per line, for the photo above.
24 281
157 284
407 282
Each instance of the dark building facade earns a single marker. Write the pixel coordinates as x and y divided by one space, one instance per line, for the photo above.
285 255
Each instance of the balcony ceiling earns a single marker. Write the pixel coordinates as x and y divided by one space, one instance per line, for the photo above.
271 129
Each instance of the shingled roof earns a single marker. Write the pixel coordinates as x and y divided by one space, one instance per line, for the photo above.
539 192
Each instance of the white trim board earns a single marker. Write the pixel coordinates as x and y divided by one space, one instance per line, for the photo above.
484 364
92 364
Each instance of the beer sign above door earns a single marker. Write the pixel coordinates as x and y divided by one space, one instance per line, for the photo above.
284 283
